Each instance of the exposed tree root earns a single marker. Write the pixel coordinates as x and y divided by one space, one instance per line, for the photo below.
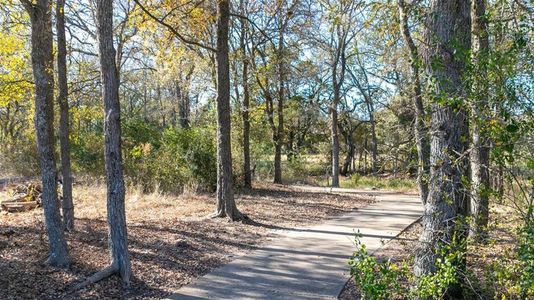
237 216
104 273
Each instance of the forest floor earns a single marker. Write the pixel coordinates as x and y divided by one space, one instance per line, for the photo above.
171 241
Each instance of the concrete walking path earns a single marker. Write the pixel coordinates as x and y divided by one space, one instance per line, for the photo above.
308 262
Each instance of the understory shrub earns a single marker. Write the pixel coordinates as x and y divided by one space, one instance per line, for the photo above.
387 280
376 280
172 160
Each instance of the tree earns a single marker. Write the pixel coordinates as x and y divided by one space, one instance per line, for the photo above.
225 194
40 12
480 148
118 235
341 36
447 36
62 99
278 137
247 177
226 206
421 141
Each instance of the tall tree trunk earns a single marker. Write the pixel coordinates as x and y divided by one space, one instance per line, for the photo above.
479 155
226 206
280 108
333 128
40 12
118 236
421 141
247 178
447 37
62 99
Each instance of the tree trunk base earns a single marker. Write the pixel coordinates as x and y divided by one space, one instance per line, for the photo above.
55 262
236 216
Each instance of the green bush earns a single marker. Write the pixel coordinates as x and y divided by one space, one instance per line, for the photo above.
526 257
172 160
87 152
21 158
376 280
386 280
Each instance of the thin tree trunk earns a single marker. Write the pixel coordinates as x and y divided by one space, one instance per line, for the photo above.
335 145
374 141
247 178
226 206
184 102
421 141
118 236
333 128
479 155
280 108
62 99
365 147
447 37
40 12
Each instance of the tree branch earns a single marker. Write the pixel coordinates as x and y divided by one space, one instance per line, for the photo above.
174 31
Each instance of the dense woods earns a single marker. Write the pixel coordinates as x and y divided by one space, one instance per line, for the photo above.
220 97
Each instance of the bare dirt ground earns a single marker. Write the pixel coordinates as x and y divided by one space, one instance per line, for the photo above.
171 242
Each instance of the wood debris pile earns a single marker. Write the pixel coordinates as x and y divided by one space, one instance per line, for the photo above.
23 197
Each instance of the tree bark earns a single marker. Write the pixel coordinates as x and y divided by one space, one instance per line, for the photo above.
247 178
226 206
280 108
62 99
374 140
40 12
118 236
480 148
334 123
335 140
447 37
421 141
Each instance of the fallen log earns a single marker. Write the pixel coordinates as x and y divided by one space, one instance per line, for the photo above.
18 206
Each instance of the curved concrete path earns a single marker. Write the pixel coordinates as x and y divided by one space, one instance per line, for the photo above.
311 262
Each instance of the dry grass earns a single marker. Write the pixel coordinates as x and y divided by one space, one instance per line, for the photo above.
170 240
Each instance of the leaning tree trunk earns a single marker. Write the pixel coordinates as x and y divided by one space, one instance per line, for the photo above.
118 235
40 12
226 206
447 37
62 99
421 141
479 155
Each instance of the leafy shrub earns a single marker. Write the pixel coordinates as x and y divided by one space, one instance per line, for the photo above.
21 159
189 156
376 280
526 257
170 161
87 152
384 280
